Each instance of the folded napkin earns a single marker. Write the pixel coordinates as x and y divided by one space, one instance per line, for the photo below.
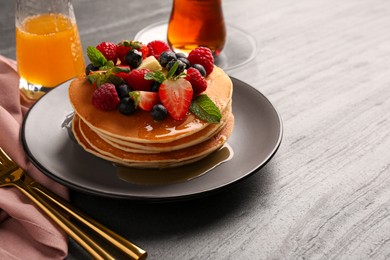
25 232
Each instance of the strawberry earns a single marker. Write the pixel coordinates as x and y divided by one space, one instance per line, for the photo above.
105 97
108 49
157 47
202 56
145 99
176 96
145 51
137 81
122 49
198 82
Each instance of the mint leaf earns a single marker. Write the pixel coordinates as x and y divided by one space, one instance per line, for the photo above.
96 57
173 70
156 76
120 69
110 64
204 108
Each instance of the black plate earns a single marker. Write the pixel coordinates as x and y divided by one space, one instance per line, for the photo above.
255 139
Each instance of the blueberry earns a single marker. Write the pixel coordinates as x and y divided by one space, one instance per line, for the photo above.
185 61
133 58
200 68
180 68
126 106
90 68
159 112
155 86
180 55
166 57
123 91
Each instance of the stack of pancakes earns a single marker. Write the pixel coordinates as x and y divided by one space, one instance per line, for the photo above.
139 141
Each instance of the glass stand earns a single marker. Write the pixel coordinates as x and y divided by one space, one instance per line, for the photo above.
240 46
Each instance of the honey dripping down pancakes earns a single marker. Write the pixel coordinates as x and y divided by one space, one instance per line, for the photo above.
145 106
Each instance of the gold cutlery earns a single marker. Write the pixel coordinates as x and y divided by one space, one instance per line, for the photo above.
12 175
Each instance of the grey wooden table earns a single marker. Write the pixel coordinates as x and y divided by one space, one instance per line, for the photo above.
325 65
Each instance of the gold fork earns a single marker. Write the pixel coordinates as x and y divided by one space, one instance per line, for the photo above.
12 175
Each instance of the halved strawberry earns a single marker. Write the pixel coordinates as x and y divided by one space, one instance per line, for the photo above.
176 96
145 99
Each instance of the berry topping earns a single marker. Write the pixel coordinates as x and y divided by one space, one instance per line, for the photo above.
159 112
181 55
137 81
200 68
180 67
126 106
105 97
202 56
157 47
145 99
176 96
166 57
133 58
90 68
197 81
108 49
185 61
123 91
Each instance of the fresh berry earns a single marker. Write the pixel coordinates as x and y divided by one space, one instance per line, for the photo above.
197 81
137 80
122 49
145 50
90 68
108 49
159 112
123 91
105 97
185 61
145 99
166 57
180 55
180 68
200 68
176 96
202 56
126 106
155 86
133 58
157 47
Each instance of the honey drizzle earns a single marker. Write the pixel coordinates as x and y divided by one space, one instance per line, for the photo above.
177 174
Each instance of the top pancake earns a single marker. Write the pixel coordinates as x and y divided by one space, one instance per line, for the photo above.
140 126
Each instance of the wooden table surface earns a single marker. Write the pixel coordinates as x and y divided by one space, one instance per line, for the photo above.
325 66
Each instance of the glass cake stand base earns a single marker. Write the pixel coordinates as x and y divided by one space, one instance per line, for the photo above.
240 46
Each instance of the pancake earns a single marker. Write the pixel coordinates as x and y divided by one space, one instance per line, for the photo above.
140 126
91 142
181 143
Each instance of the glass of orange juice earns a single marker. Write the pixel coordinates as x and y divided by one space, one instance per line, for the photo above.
48 48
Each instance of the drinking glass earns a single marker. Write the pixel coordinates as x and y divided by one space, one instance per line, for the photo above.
195 23
48 48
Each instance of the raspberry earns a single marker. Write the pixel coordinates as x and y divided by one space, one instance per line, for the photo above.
105 97
197 81
157 47
108 49
202 56
136 80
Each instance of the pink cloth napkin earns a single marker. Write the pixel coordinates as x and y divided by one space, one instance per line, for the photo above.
25 232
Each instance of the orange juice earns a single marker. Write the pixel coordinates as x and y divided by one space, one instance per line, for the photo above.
196 23
48 50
